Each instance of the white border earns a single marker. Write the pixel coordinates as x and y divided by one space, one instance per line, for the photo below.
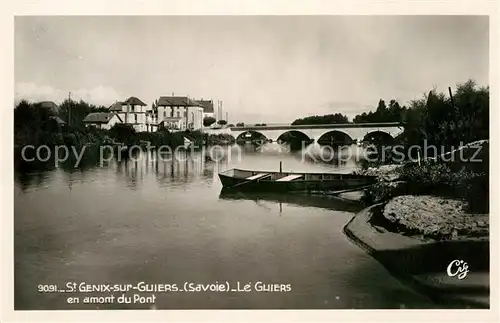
233 7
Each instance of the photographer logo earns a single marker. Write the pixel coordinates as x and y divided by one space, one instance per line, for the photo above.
457 268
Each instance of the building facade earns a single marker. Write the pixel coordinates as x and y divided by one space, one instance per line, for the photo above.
190 111
136 113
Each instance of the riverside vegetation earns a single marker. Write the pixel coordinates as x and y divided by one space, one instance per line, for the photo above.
452 183
38 125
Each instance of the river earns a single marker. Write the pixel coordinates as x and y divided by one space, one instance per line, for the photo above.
164 222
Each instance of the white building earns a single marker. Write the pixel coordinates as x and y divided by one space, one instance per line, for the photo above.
190 111
135 112
102 120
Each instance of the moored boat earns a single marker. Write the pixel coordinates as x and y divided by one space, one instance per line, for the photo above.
262 181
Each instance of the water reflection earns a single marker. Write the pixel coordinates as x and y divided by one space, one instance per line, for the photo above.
181 167
174 167
298 199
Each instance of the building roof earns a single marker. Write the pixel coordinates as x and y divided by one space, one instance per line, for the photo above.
208 105
134 101
176 101
117 106
99 117
58 120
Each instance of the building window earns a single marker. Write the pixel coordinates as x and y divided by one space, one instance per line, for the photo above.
135 117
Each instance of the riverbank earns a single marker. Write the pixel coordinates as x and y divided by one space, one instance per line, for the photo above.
423 217
422 261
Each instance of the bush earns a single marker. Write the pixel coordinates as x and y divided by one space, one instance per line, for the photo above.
435 178
208 121
220 139
124 133
441 179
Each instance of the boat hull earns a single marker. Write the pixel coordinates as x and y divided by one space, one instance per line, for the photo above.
336 182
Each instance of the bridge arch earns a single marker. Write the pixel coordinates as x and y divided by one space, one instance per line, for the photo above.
295 139
251 135
292 135
378 137
334 138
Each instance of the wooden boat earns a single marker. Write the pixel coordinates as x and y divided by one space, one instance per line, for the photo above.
262 181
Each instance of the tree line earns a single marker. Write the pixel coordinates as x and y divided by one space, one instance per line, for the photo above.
438 118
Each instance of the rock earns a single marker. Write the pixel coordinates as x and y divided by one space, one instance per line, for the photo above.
434 216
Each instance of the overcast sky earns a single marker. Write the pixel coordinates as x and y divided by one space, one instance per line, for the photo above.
264 69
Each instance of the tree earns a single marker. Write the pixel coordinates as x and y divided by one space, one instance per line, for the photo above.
31 122
240 124
124 133
381 109
441 122
208 121
222 122
393 113
325 119
74 112
230 125
99 109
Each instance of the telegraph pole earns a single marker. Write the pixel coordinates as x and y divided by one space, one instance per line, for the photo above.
69 108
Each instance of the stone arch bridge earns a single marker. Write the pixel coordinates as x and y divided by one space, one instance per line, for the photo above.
351 132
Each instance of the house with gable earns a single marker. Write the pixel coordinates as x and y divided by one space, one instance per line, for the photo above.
136 113
102 120
180 111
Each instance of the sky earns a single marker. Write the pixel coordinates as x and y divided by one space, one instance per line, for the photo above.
270 69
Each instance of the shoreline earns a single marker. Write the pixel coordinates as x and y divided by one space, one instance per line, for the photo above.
420 264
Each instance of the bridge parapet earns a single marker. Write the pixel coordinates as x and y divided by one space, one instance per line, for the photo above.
318 126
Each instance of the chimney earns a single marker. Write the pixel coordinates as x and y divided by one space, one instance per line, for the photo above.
219 116
221 112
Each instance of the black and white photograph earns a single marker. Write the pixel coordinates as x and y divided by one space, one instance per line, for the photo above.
235 162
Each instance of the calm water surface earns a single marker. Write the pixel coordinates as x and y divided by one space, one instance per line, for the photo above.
165 222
